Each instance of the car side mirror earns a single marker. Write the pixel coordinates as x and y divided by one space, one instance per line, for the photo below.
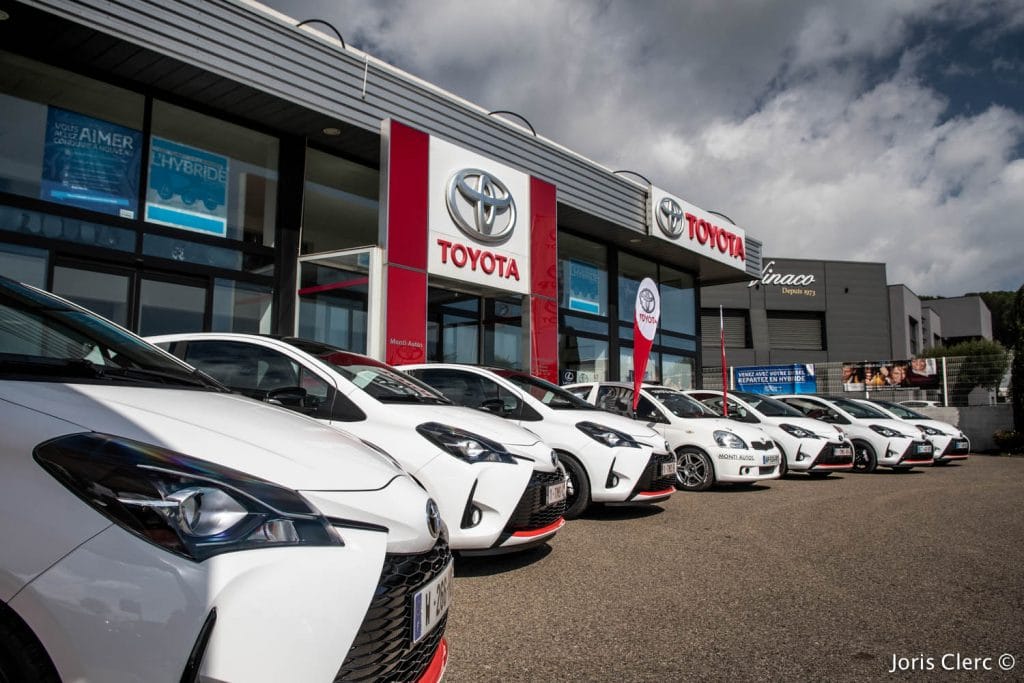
493 405
289 397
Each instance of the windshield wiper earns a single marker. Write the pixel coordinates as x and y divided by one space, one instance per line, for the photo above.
86 369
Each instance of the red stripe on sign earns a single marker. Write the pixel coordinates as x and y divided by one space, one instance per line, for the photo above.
408 174
544 338
543 239
406 329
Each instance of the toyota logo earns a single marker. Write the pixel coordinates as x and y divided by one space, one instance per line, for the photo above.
481 206
670 217
433 518
647 300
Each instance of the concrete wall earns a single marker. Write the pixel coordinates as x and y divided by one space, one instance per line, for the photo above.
904 305
977 422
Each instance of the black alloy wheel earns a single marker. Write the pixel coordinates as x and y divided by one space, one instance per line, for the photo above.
864 458
577 488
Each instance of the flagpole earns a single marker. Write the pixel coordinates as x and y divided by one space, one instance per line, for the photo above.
725 372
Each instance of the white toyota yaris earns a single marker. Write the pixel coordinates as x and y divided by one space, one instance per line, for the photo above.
609 458
708 448
154 527
878 440
499 487
950 443
806 445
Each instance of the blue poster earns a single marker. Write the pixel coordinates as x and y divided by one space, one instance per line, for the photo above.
584 288
777 379
188 188
90 163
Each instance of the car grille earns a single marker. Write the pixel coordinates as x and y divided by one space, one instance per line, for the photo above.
911 452
770 469
828 456
763 445
383 649
651 479
533 512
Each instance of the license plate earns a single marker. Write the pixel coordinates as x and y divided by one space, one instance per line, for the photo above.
556 493
770 459
923 449
668 468
959 444
430 603
842 451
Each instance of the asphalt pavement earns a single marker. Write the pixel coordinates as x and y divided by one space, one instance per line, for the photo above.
798 579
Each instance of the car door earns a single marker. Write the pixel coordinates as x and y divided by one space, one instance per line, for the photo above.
472 390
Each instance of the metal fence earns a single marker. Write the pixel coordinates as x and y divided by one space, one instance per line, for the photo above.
958 377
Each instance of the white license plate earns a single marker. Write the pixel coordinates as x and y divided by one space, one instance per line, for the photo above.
770 459
959 444
430 603
668 468
924 449
556 493
842 451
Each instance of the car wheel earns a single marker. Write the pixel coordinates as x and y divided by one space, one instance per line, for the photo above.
577 489
22 657
783 465
864 459
694 471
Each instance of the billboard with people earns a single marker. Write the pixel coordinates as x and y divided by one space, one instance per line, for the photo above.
916 373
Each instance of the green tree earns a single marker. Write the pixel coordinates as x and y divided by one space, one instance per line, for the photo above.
1001 306
984 364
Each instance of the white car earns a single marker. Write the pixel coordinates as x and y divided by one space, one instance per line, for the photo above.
920 403
154 527
806 445
950 443
499 487
609 459
878 440
709 449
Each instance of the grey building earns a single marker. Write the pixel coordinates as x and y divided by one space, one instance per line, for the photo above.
906 322
964 318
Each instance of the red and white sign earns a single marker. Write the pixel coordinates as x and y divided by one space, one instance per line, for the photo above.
646 315
700 231
479 219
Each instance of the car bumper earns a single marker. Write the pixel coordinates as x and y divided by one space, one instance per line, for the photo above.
737 467
120 609
538 516
952 448
914 454
658 480
833 457
615 472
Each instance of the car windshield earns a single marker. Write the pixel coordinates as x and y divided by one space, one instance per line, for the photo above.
681 405
860 410
379 380
551 395
901 411
44 337
768 406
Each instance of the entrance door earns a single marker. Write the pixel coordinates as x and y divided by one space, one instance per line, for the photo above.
336 305
473 329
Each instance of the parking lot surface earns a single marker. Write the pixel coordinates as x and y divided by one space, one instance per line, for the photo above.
799 578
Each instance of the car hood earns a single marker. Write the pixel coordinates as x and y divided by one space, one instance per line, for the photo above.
634 428
233 431
900 426
822 429
477 421
747 432
944 427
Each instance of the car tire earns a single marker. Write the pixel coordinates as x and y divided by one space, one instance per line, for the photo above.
864 459
22 657
783 465
694 470
577 495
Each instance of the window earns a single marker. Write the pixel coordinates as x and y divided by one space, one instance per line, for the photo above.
68 139
912 324
340 204
582 275
211 177
632 271
796 330
24 264
471 390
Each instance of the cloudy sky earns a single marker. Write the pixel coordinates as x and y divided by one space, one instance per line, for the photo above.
873 131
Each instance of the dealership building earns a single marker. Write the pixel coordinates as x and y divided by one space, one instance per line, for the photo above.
212 165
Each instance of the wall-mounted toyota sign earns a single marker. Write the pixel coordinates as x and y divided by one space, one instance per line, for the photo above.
481 206
475 208
698 230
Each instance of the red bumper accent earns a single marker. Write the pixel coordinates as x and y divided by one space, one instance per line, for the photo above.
435 670
655 494
549 529
953 457
929 461
847 466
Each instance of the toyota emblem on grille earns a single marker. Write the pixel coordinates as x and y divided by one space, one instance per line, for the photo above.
670 217
433 518
481 206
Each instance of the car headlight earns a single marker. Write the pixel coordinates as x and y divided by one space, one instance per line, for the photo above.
931 431
464 445
728 439
187 506
798 432
612 438
888 433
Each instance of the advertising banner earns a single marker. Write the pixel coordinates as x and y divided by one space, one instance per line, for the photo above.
798 378
584 287
917 373
646 314
90 163
188 188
